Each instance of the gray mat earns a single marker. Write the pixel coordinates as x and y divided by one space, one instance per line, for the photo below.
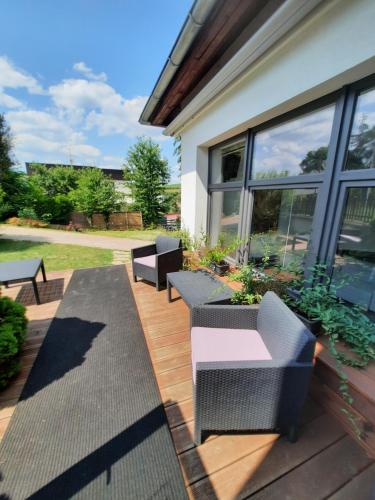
90 422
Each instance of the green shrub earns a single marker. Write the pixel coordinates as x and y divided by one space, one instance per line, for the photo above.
27 213
13 324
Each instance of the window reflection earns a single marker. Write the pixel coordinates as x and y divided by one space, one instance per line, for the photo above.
355 253
361 150
281 225
225 209
297 147
228 163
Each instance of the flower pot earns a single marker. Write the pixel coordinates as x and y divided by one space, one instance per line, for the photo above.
219 269
314 325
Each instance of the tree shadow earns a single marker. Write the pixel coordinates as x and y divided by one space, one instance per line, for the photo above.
64 348
49 291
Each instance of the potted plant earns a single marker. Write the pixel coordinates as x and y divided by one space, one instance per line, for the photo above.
214 257
311 297
255 283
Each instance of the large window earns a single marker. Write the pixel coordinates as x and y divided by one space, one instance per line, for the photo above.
225 216
297 147
355 250
361 150
306 182
281 225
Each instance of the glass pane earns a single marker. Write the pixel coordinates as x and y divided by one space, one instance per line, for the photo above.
361 150
225 209
281 225
297 147
355 253
227 163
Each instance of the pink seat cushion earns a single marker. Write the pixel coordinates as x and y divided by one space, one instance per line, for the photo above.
221 344
149 261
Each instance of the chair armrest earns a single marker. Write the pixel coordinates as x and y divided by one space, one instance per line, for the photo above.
225 316
169 261
143 251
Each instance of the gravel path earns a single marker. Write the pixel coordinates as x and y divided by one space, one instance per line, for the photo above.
68 238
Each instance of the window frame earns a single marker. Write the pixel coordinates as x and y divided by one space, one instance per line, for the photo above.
228 142
330 184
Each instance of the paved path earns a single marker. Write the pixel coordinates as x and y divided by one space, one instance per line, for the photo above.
68 238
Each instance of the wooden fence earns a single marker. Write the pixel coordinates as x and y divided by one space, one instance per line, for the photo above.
117 220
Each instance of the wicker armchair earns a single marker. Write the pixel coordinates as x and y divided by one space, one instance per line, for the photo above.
153 262
251 367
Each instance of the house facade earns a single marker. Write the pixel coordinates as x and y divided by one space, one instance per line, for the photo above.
275 106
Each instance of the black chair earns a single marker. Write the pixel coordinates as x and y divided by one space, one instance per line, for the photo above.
153 262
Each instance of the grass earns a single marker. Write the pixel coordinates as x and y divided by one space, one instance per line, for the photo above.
133 234
56 257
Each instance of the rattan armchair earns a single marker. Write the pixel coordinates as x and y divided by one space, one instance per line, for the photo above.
153 262
251 367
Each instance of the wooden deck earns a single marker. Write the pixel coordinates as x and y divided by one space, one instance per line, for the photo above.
40 317
325 463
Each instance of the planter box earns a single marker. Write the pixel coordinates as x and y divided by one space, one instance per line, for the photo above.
314 325
220 269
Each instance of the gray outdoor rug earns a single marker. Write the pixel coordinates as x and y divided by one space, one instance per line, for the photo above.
90 422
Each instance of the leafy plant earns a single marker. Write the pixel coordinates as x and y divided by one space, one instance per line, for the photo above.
217 253
146 173
95 193
318 299
12 335
27 213
255 283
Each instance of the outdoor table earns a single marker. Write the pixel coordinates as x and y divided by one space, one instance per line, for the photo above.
198 287
22 270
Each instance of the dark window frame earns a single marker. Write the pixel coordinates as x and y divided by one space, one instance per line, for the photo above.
330 184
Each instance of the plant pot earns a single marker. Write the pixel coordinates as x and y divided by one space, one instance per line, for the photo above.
314 325
220 269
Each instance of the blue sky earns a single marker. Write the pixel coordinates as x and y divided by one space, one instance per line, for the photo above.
75 75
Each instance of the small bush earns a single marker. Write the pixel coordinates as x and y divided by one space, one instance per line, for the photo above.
27 213
13 324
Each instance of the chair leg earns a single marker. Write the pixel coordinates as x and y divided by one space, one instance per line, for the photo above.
157 287
135 278
197 437
293 434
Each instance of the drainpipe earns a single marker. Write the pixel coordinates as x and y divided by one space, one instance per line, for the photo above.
195 20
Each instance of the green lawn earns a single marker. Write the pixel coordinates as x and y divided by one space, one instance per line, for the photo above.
134 234
56 257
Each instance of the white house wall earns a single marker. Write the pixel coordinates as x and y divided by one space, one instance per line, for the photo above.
333 47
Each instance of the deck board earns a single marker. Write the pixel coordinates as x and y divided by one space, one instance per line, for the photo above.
247 465
324 463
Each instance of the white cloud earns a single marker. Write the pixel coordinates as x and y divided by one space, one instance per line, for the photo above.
82 68
13 77
9 101
77 108
42 134
100 107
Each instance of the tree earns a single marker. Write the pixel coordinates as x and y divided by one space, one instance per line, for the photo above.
14 185
56 180
314 161
6 157
95 193
146 173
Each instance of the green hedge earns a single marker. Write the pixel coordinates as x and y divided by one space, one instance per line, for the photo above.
13 325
